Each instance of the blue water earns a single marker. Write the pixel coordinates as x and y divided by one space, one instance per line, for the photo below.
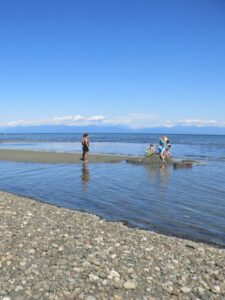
184 202
188 146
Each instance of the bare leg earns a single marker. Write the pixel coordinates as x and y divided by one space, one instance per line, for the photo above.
86 157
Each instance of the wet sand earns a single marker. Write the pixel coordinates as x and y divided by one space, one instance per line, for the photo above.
62 157
55 157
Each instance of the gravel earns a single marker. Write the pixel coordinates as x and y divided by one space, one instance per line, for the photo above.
47 252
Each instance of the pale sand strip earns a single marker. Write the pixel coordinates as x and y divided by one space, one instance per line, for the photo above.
55 157
53 253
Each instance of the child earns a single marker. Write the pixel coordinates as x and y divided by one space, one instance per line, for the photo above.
162 147
150 151
167 152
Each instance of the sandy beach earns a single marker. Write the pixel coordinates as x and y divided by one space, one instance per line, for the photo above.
47 252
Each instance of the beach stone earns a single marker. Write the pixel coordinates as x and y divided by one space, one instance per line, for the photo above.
104 282
174 292
118 284
192 244
68 296
215 289
185 289
90 297
116 297
129 285
114 275
31 251
105 260
18 296
201 291
18 288
93 277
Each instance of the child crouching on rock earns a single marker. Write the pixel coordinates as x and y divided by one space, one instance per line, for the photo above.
150 151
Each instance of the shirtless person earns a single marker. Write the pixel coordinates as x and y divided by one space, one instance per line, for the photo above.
85 147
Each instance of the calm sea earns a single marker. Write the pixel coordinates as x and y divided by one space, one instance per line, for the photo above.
184 202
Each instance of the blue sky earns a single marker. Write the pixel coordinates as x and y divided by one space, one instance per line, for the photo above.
138 63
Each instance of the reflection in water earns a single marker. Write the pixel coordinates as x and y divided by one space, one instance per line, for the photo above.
158 176
163 175
85 175
158 188
163 182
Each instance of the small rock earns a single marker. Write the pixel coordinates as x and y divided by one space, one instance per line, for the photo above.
18 288
130 270
116 297
113 274
175 292
61 249
185 289
93 277
118 284
200 291
191 244
68 296
31 251
90 297
215 289
129 285
104 282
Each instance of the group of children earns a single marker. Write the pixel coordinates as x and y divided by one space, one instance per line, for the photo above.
162 148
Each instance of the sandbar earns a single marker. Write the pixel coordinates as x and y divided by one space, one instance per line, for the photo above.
56 157
65 157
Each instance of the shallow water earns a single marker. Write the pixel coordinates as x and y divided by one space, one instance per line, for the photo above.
183 202
183 146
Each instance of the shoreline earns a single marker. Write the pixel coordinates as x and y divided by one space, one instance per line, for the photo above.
48 252
125 223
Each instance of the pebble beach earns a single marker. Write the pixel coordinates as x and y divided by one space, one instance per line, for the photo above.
48 252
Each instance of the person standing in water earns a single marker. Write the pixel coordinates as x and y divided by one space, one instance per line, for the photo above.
85 147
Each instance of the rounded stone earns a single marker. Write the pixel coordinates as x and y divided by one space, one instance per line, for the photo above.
129 285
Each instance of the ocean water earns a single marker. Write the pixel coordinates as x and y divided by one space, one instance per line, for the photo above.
188 203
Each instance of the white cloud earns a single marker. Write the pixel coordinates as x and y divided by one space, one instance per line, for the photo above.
64 120
136 120
96 118
201 123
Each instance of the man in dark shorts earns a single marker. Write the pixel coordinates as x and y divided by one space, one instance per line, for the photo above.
85 147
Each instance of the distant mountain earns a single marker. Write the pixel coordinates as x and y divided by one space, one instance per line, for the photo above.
185 130
112 129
